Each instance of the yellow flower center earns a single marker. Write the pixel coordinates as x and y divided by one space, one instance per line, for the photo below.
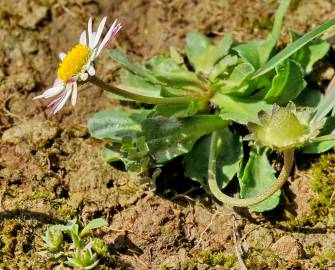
73 62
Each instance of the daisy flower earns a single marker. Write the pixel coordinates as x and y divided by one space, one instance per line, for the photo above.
77 65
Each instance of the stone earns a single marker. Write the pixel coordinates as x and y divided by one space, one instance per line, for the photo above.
37 132
259 238
288 248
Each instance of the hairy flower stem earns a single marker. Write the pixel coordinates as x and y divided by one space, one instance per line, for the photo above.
215 189
140 98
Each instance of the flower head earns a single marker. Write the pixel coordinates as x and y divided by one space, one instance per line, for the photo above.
77 65
286 127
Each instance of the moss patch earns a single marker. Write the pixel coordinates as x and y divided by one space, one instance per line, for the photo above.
328 257
18 242
322 206
267 259
216 258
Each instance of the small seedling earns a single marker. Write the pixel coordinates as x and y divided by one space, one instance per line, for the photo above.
82 258
53 241
77 253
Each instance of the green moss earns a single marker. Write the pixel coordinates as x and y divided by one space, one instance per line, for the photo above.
42 194
267 259
216 258
64 211
100 247
323 184
324 178
322 206
230 261
324 259
16 237
8 237
188 264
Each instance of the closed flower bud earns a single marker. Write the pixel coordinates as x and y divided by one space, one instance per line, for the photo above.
285 128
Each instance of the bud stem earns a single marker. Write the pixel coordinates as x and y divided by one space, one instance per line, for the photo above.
216 191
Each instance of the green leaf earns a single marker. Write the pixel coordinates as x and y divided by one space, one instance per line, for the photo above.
155 75
138 85
93 224
287 84
73 231
133 153
196 45
328 102
138 69
240 110
321 147
176 56
257 177
249 52
309 55
173 92
164 64
177 110
318 50
82 259
229 153
318 147
116 124
180 79
308 98
141 149
294 47
111 153
237 81
171 137
168 72
221 67
203 54
257 52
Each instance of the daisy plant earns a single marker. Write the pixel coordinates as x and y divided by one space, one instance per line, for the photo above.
206 99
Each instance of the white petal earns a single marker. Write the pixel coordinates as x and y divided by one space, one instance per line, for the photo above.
61 102
38 97
92 41
51 92
89 31
91 71
99 32
74 94
53 102
61 55
111 32
82 39
57 81
93 55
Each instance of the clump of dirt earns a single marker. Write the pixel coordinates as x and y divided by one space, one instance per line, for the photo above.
51 171
162 228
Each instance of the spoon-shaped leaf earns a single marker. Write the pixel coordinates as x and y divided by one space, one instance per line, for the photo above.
93 224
